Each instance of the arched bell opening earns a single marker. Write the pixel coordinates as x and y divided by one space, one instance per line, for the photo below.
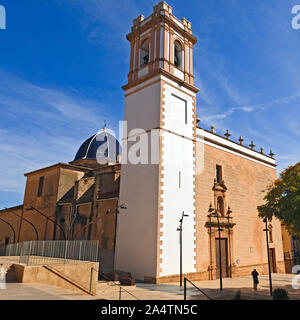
145 53
178 55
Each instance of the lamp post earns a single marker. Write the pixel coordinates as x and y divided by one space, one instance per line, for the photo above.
180 229
122 207
213 211
229 212
268 252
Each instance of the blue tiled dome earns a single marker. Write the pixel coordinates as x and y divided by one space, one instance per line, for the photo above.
102 145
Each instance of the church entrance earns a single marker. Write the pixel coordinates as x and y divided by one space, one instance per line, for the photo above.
224 257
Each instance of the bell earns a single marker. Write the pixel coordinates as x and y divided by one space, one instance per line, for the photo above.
176 60
146 59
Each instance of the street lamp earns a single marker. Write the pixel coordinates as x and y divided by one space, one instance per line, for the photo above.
122 207
268 252
212 211
229 212
180 229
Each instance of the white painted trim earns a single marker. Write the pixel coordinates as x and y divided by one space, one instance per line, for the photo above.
178 73
148 31
179 36
142 72
154 56
134 56
188 59
180 24
146 20
162 41
168 46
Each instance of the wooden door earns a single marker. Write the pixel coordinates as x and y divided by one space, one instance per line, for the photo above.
272 260
224 257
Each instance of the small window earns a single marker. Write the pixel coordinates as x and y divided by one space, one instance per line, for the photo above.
219 176
6 241
41 186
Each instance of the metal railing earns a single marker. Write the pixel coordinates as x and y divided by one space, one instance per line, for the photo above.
187 280
10 250
51 252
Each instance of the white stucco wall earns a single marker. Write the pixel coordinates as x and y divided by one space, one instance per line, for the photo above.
137 228
142 107
137 246
178 156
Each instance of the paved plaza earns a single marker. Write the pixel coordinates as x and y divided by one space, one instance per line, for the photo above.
142 291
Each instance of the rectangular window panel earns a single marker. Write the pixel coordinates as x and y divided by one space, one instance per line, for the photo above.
41 186
219 174
178 109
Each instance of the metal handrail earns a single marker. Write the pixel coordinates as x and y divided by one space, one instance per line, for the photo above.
76 283
116 284
187 280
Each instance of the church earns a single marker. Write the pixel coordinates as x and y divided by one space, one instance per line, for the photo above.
183 181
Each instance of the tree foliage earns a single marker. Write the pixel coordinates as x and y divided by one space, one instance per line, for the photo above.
280 294
283 199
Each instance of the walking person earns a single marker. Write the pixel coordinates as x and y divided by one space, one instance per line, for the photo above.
255 275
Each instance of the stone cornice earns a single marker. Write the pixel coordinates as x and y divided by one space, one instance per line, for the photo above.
230 145
156 20
160 72
59 165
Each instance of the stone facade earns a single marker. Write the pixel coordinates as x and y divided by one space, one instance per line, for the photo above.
242 189
76 203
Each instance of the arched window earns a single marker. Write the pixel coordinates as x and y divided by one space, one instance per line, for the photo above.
220 206
144 53
178 55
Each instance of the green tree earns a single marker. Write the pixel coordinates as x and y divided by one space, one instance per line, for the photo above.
280 294
282 200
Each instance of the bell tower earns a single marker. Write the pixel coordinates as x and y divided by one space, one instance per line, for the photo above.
158 160
161 43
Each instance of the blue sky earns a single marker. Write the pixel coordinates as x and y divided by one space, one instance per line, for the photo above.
63 62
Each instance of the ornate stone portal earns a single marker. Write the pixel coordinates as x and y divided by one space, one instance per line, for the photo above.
218 219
